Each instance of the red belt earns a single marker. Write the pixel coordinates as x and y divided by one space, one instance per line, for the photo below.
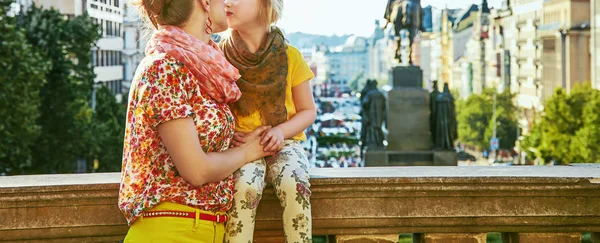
192 215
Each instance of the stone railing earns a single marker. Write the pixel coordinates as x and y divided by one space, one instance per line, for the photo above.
436 204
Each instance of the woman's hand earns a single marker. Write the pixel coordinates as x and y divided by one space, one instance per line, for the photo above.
272 139
253 148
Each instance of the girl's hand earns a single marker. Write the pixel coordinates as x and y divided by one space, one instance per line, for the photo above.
238 139
272 139
253 148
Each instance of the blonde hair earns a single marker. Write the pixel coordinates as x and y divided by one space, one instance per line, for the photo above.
270 11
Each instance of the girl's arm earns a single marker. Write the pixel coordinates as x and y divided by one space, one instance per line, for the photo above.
306 111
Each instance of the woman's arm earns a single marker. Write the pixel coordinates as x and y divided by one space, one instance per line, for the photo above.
197 167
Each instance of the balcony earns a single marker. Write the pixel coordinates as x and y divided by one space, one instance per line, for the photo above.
521 61
350 205
521 23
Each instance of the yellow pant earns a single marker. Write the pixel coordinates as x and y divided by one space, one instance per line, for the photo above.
174 229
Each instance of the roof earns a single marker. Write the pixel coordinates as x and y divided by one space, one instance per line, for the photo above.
465 18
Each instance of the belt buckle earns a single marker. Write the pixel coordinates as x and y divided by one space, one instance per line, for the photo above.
221 220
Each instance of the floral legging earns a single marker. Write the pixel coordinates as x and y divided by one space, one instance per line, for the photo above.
287 172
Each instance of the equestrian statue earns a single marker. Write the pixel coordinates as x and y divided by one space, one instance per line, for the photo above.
407 15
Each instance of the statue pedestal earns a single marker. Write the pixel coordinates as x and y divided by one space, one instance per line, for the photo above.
409 137
374 158
406 77
408 119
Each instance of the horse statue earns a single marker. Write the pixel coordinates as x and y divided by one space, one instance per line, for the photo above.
408 15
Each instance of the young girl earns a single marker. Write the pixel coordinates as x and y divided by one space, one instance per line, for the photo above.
276 92
176 182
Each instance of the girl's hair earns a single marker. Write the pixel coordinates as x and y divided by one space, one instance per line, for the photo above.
164 12
270 11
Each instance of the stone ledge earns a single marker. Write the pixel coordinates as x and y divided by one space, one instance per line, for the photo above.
349 201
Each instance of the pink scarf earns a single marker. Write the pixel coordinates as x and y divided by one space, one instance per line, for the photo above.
206 61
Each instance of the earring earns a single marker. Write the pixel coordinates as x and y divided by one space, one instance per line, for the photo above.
208 29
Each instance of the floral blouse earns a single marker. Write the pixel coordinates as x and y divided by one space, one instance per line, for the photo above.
163 89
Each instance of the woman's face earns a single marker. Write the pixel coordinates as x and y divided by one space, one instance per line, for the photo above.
218 16
242 13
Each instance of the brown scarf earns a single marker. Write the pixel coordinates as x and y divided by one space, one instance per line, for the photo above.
264 76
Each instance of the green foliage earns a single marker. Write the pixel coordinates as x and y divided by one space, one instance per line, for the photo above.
569 130
22 77
475 119
328 140
109 129
65 113
46 87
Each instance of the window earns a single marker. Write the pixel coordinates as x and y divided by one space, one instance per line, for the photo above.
115 86
109 27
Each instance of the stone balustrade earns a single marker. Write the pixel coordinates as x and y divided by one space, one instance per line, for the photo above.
350 205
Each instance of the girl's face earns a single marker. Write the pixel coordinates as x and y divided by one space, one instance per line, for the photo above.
242 14
218 16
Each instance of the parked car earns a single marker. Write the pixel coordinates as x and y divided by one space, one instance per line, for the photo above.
464 156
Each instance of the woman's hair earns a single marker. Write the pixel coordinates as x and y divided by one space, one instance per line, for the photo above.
270 11
164 12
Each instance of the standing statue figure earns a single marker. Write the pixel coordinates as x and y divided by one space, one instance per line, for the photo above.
363 123
408 15
373 117
432 115
446 130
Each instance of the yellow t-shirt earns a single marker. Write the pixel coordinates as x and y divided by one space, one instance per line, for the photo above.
298 72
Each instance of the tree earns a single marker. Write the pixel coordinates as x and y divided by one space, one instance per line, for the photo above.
475 119
22 76
109 129
45 96
65 113
569 130
506 121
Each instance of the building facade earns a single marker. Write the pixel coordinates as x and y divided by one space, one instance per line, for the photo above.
595 45
526 61
107 53
134 44
565 36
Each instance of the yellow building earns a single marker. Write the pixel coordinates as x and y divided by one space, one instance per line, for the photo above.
447 50
595 38
565 34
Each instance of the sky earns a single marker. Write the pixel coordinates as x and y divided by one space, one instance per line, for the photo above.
328 17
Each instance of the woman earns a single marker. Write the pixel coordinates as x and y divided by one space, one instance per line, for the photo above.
177 183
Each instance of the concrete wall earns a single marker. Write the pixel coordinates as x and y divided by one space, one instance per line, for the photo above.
449 204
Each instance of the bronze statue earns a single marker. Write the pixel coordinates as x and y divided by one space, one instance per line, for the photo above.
408 15
373 117
446 130
432 115
363 94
